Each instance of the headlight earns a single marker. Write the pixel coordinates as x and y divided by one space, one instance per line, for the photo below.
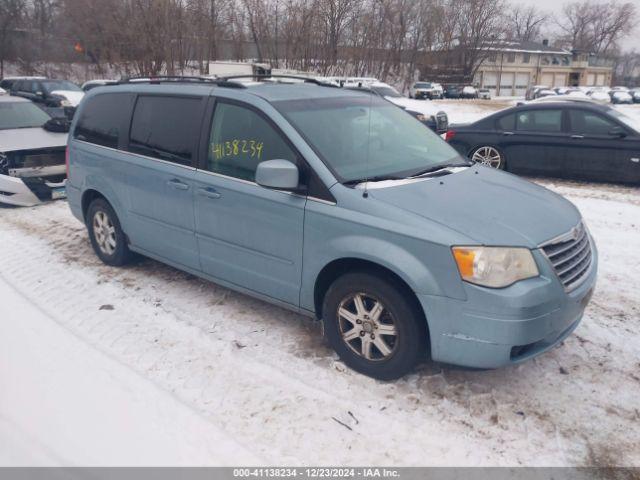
495 267
65 103
422 118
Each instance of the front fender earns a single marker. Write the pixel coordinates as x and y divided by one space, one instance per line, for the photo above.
427 268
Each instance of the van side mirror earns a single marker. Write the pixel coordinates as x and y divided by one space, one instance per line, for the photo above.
278 175
618 132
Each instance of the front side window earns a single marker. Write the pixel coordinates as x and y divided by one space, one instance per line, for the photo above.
588 123
21 115
240 139
366 137
166 128
547 121
102 118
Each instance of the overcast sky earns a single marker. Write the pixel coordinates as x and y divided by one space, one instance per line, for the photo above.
555 6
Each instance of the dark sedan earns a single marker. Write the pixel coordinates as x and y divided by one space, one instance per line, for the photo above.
568 139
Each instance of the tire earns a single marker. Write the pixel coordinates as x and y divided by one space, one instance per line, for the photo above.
489 156
392 354
106 235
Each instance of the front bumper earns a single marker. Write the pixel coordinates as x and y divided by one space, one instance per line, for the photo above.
28 191
498 327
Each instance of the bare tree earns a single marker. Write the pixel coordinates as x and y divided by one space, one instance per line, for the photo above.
596 26
11 12
525 23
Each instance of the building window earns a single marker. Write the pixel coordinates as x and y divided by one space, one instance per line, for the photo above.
493 57
526 57
511 58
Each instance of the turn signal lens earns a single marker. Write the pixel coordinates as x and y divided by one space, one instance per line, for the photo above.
449 135
495 267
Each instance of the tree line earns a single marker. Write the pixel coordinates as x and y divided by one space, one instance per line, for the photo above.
381 38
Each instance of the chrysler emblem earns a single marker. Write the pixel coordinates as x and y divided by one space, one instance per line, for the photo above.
576 232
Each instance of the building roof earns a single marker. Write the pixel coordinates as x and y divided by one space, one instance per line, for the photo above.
525 47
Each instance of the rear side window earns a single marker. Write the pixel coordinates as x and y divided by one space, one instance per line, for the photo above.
102 119
507 123
548 121
166 128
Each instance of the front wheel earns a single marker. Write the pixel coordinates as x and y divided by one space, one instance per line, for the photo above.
489 157
374 326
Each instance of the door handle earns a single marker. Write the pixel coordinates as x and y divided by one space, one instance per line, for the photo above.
507 134
177 184
577 137
209 192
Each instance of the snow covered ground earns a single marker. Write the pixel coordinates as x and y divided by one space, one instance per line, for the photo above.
147 365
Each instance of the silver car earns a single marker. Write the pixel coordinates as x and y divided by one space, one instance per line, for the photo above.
32 158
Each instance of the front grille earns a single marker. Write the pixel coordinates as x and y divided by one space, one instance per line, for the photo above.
571 256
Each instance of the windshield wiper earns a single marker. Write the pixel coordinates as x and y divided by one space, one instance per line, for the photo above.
378 178
438 168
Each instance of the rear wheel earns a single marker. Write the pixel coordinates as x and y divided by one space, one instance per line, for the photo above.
374 327
107 238
489 157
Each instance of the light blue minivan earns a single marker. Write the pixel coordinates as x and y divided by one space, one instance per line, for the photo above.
338 205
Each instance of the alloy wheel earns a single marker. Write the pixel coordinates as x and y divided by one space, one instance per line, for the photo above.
104 232
367 327
487 156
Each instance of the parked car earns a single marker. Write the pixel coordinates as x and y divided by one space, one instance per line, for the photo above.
484 94
452 91
599 96
542 93
570 139
532 90
635 93
50 93
86 86
7 82
32 160
424 90
430 115
620 97
469 91
619 89
256 181
3 91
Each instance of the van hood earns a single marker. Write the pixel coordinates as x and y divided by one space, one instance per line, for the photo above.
489 206
73 97
420 106
30 139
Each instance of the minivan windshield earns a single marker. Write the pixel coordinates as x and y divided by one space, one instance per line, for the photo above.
366 137
21 115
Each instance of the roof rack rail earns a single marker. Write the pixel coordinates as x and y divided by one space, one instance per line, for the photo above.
156 79
268 76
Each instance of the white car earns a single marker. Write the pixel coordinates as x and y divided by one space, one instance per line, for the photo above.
599 96
3 91
621 96
427 112
32 159
422 90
